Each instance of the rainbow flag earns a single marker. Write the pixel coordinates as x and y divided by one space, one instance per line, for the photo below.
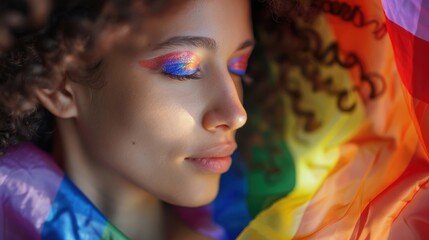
363 172
408 25
39 202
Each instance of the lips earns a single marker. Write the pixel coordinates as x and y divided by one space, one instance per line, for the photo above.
215 159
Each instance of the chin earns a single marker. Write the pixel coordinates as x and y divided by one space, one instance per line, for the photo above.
201 201
195 197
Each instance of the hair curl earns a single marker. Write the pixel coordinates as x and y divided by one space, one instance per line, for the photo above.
289 41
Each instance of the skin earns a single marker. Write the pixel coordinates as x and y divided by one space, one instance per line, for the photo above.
126 145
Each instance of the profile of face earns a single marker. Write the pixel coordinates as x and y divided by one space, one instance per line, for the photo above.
165 120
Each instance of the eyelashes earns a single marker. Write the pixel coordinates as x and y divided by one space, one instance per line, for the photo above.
186 65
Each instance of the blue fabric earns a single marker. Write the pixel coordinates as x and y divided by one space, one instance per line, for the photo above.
230 207
73 216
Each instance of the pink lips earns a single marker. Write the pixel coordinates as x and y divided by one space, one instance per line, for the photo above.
216 159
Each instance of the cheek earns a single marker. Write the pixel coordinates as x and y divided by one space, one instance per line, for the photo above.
162 130
156 118
158 126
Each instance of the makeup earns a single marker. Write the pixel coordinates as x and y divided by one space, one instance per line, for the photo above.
238 65
180 64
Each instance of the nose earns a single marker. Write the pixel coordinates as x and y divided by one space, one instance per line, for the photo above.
225 111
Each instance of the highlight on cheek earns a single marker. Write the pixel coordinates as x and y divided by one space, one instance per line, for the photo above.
178 63
238 65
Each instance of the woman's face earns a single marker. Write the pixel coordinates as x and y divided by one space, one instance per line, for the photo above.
166 118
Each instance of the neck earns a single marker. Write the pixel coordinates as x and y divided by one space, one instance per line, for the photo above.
138 214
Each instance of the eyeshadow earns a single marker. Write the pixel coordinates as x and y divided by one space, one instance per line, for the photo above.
238 65
178 63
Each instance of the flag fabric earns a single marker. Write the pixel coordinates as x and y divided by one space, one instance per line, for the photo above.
408 25
354 134
39 202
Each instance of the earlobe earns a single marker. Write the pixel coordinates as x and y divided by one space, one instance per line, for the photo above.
60 101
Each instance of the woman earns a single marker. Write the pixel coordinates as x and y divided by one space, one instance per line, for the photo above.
152 118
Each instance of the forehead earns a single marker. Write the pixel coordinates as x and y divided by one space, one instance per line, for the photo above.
225 21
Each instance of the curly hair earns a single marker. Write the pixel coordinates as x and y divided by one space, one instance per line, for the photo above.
43 41
290 43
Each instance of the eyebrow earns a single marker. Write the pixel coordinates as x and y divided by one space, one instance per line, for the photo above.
199 42
246 44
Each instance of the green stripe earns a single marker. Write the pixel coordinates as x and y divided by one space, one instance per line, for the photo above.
112 233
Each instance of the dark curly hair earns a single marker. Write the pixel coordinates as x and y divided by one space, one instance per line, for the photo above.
290 41
43 41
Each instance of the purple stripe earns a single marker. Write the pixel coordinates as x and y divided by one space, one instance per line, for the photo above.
412 15
29 181
200 219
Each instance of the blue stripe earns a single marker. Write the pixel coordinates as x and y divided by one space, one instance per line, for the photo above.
73 216
230 208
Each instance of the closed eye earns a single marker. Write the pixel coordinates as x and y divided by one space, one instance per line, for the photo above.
238 65
178 65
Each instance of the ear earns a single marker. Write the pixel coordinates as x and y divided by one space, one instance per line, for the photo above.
60 101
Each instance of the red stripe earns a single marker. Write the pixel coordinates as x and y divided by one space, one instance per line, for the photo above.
412 55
